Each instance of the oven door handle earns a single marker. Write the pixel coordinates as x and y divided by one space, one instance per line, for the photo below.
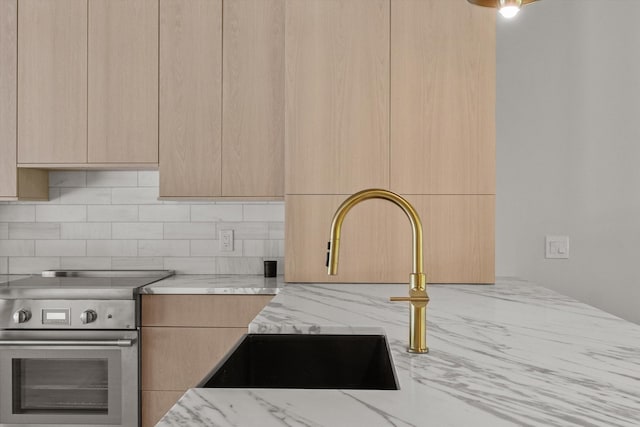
76 343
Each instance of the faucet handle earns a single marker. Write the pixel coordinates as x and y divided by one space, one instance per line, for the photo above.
416 297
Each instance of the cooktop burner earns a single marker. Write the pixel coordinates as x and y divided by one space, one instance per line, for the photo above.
82 284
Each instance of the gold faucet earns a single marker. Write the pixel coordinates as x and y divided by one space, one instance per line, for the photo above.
418 281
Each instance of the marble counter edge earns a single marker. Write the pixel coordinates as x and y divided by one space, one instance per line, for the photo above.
188 284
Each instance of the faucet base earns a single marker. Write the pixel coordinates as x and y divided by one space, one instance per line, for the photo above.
418 351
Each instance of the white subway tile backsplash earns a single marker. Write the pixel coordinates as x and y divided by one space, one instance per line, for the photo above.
85 196
85 263
240 265
112 219
114 213
148 179
33 230
212 248
13 248
61 248
59 213
137 263
17 213
276 230
137 230
134 196
217 212
264 248
190 230
246 230
175 248
112 179
31 265
164 213
85 230
67 179
263 212
112 248
192 265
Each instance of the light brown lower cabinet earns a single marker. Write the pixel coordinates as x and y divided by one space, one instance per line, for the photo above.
183 338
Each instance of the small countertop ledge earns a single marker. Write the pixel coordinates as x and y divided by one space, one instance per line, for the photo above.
215 284
511 354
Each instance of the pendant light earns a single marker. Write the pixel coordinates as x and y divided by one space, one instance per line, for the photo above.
507 8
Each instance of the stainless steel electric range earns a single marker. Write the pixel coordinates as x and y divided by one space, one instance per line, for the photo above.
69 348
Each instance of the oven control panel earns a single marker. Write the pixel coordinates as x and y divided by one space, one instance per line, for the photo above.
67 314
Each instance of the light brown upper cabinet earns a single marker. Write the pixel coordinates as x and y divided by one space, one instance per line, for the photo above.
87 82
442 98
123 77
190 94
337 96
26 184
52 81
399 95
221 136
253 98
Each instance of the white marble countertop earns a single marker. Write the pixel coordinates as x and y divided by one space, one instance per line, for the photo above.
215 284
513 354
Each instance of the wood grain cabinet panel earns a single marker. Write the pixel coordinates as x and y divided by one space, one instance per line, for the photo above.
178 358
52 81
253 98
337 95
190 98
8 100
442 98
123 77
183 338
232 311
157 403
376 239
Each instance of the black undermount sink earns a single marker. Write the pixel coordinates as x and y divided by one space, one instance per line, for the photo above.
306 361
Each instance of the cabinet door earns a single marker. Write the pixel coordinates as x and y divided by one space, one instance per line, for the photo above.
8 100
337 96
190 98
375 245
123 75
442 97
52 81
178 358
253 98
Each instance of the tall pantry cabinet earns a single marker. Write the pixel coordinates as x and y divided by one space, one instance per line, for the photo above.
399 95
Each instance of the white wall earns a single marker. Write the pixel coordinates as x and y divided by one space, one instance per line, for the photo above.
568 148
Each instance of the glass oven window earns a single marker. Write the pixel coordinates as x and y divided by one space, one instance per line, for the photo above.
67 386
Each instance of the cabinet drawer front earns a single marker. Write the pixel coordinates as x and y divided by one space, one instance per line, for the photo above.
155 404
230 311
178 358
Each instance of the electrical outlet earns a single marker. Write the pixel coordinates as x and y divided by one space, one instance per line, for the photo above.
557 247
226 240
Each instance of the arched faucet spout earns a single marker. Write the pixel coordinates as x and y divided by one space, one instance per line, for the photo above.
418 291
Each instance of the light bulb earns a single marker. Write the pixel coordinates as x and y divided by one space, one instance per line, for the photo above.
509 11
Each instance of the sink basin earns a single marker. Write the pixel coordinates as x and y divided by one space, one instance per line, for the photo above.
306 361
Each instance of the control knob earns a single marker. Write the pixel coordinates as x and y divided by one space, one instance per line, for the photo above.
21 316
88 316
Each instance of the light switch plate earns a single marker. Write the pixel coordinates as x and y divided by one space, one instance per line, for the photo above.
557 247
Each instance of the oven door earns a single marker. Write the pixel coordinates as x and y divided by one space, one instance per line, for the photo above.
69 378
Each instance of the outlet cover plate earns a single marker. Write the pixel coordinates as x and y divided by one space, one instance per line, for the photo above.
557 247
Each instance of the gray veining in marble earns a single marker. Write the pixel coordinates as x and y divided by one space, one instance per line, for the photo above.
513 354
216 284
